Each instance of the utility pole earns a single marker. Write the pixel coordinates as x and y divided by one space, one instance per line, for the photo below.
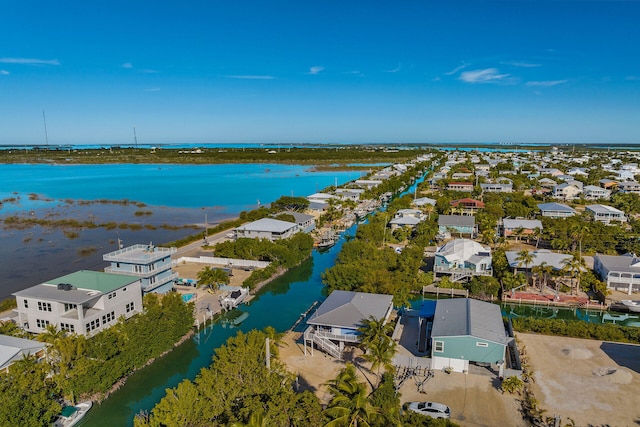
135 137
267 354
46 136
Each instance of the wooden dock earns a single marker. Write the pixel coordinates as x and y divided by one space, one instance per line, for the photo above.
433 289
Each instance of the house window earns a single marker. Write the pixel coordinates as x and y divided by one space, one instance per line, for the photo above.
67 327
129 307
124 289
26 303
69 307
482 344
42 323
117 265
94 324
438 346
111 295
108 317
44 306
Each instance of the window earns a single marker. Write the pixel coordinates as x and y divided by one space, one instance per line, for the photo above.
438 346
482 344
94 324
69 307
124 289
26 303
138 269
42 323
67 327
129 307
44 306
111 295
108 317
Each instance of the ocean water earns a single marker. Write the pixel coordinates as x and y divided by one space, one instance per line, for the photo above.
174 196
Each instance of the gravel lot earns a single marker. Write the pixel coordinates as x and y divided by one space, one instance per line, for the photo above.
593 383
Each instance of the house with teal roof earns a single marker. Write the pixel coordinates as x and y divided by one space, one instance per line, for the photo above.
84 302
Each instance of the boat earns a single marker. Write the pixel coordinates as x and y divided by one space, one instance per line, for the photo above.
631 305
234 297
71 415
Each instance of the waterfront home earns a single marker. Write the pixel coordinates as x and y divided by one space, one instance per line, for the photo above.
619 272
593 192
84 302
482 167
556 210
539 257
527 227
547 183
461 175
267 228
151 264
460 186
468 331
461 259
368 183
608 183
491 187
566 191
467 206
320 197
406 218
461 224
306 223
423 201
629 187
550 171
13 349
335 322
352 194
605 214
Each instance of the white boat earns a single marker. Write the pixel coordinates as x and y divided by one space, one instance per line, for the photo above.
234 297
71 415
632 305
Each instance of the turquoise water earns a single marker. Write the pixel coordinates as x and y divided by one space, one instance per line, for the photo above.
187 297
232 187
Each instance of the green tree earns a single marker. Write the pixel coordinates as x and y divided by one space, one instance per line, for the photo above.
350 404
574 266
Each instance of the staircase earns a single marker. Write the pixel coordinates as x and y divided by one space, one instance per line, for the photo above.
323 343
459 276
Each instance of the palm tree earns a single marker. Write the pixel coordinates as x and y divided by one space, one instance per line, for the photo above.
380 354
574 266
543 271
578 231
256 419
537 233
524 258
350 405
212 277
374 330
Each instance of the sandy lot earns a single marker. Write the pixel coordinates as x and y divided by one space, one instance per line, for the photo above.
594 383
474 399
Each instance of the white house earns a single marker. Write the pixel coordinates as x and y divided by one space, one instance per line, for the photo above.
84 302
629 187
605 214
267 228
406 217
528 226
566 191
593 192
619 272
462 259
556 210
13 349
152 264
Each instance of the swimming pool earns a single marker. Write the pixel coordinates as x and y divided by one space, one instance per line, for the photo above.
187 297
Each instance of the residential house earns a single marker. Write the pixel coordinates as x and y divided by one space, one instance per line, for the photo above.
150 263
593 192
423 201
619 272
468 330
460 186
629 187
608 183
491 187
547 183
527 227
605 214
267 228
335 322
461 175
84 302
13 349
467 206
566 191
550 171
461 224
461 259
352 194
368 183
556 210
539 256
406 218
306 223
320 197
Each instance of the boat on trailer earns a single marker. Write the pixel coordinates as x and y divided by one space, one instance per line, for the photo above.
631 305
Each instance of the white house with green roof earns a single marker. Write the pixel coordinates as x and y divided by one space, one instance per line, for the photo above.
84 302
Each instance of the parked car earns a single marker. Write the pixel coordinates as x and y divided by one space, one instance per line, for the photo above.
430 409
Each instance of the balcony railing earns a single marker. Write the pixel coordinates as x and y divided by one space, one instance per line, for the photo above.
470 271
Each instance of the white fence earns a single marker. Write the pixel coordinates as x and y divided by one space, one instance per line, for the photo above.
225 262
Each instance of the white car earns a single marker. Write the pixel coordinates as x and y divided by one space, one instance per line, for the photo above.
430 409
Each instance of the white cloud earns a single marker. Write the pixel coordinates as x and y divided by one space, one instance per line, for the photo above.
4 72
546 83
395 70
521 64
455 70
488 75
29 61
315 70
127 65
250 77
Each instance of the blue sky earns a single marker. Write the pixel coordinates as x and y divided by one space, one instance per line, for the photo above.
546 71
